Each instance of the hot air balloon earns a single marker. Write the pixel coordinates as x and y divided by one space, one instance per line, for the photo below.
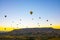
5 16
12 21
4 28
31 12
17 25
47 20
20 19
39 25
39 17
20 23
32 18
50 24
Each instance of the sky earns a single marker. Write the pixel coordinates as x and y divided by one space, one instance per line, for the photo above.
18 13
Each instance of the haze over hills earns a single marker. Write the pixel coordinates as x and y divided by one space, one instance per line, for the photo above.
31 33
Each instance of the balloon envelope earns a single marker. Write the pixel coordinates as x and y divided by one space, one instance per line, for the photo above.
50 24
5 16
31 12
32 18
39 17
4 28
47 20
20 20
38 25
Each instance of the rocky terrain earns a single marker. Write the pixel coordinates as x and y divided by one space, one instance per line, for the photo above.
31 34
